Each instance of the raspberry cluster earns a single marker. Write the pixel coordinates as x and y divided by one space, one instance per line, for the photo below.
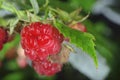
40 41
3 36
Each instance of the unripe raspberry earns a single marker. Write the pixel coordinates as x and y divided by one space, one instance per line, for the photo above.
21 62
79 26
63 56
21 58
40 40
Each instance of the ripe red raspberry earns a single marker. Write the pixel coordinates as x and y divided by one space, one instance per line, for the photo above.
79 26
46 67
1 45
40 40
3 36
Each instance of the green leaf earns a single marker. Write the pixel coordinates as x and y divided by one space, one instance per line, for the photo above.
7 6
35 6
11 8
85 41
104 45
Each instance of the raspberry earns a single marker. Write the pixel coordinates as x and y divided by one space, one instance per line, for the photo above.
3 36
40 40
53 64
79 26
1 45
46 67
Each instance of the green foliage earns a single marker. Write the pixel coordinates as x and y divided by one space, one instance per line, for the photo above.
12 25
71 4
35 6
64 15
79 39
2 22
104 46
85 4
14 76
12 65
